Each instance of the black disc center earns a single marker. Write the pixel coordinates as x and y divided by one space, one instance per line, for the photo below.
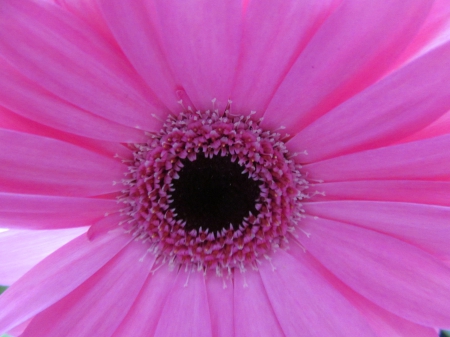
213 193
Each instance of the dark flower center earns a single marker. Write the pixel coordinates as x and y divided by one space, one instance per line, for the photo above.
212 193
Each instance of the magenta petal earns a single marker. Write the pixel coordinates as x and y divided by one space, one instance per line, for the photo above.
103 226
221 305
31 101
274 34
131 24
20 250
18 330
352 49
437 128
93 306
426 226
254 315
46 42
422 159
40 165
12 121
382 322
90 12
301 298
385 323
186 311
433 33
395 275
384 113
57 276
143 316
415 191
201 39
52 212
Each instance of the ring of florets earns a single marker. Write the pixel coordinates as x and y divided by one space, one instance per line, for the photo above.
263 157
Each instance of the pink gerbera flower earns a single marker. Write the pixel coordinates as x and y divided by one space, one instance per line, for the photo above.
224 168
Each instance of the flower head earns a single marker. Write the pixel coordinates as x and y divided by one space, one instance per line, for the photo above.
234 168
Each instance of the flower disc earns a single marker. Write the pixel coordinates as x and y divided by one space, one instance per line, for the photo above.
213 190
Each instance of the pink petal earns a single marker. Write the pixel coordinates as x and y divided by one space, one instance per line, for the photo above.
51 212
105 225
437 128
148 305
382 322
426 226
46 42
404 161
93 306
221 305
18 330
274 34
348 53
89 11
385 323
416 191
302 298
201 39
12 121
391 273
253 313
433 33
131 24
56 276
41 165
186 311
20 250
31 101
384 113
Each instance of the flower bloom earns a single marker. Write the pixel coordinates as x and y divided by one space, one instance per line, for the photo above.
224 168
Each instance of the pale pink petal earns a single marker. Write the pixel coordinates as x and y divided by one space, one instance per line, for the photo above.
221 304
20 250
40 165
417 191
94 305
56 276
131 24
302 298
274 34
426 226
201 39
52 212
395 275
12 121
352 49
382 114
148 305
253 313
186 311
419 160
31 101
46 42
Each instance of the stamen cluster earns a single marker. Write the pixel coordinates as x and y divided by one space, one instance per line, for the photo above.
263 157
